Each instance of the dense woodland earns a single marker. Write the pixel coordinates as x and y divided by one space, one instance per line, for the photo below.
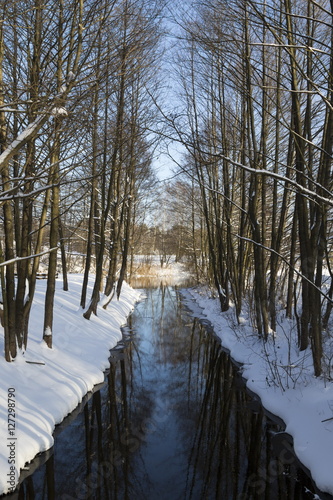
84 103
76 85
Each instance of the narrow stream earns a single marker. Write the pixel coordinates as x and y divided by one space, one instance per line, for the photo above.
172 421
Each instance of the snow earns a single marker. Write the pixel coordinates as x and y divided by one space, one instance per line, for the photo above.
43 385
47 332
283 379
59 111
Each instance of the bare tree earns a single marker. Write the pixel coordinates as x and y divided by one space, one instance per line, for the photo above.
257 97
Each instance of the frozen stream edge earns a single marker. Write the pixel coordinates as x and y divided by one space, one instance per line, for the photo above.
294 395
45 393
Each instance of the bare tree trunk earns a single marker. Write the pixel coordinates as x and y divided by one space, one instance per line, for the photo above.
63 257
54 238
55 200
93 204
255 189
8 287
319 227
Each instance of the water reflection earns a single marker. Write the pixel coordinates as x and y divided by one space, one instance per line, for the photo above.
182 280
172 421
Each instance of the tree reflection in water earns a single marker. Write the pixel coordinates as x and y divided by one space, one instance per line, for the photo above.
173 421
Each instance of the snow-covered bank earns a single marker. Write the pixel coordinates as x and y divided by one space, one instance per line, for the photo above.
34 397
283 378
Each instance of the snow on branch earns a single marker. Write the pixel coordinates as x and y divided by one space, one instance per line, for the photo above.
17 259
12 194
327 297
282 178
31 131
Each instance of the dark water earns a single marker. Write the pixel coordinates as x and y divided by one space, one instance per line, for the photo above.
172 421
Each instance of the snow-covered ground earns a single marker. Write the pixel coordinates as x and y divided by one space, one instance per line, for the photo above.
283 378
36 397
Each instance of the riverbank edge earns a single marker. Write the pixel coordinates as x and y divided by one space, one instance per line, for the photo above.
49 384
271 398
